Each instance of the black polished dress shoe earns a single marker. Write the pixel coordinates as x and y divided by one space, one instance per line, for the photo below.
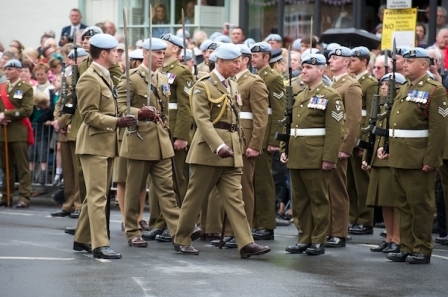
253 249
186 249
105 252
70 230
361 229
315 249
383 233
298 248
231 244
442 240
165 236
137 241
350 226
335 242
392 248
397 257
75 214
151 234
77 246
224 240
380 247
418 258
60 213
263 234
197 232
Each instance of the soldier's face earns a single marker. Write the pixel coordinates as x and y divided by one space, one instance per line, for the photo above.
414 68
356 66
399 63
157 59
111 57
229 68
338 64
12 74
258 60
207 55
86 43
311 74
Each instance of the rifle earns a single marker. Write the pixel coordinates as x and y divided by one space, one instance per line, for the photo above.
63 87
70 107
286 121
195 67
184 41
369 145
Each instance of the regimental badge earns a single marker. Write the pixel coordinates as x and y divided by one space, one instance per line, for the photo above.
357 53
256 48
420 83
166 89
17 113
412 53
238 99
189 84
337 115
171 77
417 96
338 52
313 61
443 111
18 94
318 103
278 95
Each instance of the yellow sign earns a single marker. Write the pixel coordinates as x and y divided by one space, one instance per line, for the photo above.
399 24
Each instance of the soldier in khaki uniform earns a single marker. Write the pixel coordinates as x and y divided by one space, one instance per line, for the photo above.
264 215
16 105
418 128
215 155
180 80
314 142
360 216
97 145
350 91
207 47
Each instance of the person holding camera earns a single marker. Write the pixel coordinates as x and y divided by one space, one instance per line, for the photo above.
76 25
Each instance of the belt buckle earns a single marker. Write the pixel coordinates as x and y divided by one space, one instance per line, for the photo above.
232 127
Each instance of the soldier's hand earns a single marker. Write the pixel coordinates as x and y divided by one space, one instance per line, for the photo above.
327 165
126 121
147 113
428 168
364 166
225 152
180 144
381 155
56 126
69 128
343 156
271 149
283 158
251 153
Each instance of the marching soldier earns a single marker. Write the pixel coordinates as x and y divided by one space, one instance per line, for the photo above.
314 142
96 145
16 105
350 91
418 127
360 216
264 216
148 147
215 155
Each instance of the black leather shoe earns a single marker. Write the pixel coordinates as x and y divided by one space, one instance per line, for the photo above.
335 242
442 240
397 257
70 230
197 232
315 249
77 246
231 244
151 234
137 241
360 229
186 249
165 236
60 213
105 252
418 258
350 226
392 248
380 247
224 240
383 233
263 234
75 214
298 248
253 249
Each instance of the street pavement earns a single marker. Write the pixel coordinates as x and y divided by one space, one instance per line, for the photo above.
36 259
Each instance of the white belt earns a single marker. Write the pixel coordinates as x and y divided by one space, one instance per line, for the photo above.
269 110
246 115
408 133
308 132
363 112
172 105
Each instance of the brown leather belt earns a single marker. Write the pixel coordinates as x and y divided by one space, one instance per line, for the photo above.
227 126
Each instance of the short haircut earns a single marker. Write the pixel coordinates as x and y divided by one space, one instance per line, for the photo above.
242 30
306 40
26 64
95 51
76 10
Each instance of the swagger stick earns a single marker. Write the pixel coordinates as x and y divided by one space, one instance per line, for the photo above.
8 189
126 55
148 98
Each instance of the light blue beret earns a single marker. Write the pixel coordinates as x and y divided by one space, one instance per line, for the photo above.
399 78
360 51
205 44
274 37
416 52
332 46
103 41
214 45
214 35
249 42
188 56
341 52
261 47
228 51
276 55
157 44
136 54
308 51
80 52
314 59
402 50
223 39
180 34
244 49
173 39
213 57
13 63
297 44
91 30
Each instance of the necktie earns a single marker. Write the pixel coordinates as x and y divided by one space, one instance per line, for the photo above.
225 83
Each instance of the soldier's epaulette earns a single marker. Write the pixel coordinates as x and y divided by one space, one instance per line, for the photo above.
183 66
433 82
132 71
205 77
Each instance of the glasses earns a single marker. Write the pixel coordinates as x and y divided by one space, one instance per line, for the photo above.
377 67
